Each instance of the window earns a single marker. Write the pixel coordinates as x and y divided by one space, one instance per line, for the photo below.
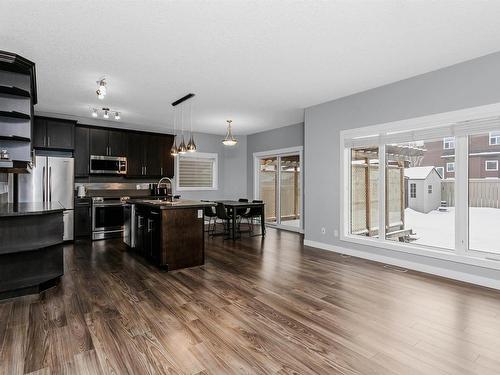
364 191
491 165
440 171
197 171
495 138
405 206
448 143
413 190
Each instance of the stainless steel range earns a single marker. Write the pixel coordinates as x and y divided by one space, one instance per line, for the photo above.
107 217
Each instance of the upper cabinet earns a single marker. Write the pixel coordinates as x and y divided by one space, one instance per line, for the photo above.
52 133
104 142
82 155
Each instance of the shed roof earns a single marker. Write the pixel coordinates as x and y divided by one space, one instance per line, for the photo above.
418 173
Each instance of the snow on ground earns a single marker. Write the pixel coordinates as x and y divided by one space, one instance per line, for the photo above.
437 228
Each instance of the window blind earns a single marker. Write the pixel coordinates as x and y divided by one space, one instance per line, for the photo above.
195 172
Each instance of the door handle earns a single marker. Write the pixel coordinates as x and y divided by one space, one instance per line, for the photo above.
149 225
50 184
161 171
43 184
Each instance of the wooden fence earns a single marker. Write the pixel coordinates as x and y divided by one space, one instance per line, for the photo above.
483 192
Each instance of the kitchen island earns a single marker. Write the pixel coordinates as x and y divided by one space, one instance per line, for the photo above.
31 253
170 234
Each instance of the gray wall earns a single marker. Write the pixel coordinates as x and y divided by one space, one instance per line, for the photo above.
288 136
232 161
472 83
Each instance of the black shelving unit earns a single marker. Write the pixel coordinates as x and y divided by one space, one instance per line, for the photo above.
14 91
14 138
14 115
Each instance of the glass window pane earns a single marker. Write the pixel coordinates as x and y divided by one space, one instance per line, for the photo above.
290 190
419 202
364 191
267 186
484 192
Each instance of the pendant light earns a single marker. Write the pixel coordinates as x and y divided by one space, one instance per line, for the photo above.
191 146
182 146
229 139
173 150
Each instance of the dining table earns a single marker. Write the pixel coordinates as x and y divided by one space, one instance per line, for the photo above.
232 206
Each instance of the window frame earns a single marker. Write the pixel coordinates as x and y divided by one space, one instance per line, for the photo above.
413 190
198 155
461 124
496 137
490 161
448 141
450 164
429 189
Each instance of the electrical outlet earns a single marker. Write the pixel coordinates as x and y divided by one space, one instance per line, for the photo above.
336 233
323 230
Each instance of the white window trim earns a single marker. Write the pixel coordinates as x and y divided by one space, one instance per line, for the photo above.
429 189
202 155
431 126
448 167
491 161
490 137
448 140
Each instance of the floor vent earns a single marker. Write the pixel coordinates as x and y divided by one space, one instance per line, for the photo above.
394 268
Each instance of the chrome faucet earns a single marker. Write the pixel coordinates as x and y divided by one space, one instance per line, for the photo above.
171 187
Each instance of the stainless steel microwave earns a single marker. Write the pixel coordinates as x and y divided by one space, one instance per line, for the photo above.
108 164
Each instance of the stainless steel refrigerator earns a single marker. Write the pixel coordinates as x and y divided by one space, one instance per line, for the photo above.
51 180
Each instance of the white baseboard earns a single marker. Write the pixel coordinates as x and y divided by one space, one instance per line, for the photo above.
438 271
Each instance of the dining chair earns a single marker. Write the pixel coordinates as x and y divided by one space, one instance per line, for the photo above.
222 214
253 213
211 214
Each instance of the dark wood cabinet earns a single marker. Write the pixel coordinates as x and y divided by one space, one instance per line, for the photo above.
152 162
117 143
39 133
167 160
83 218
81 154
104 142
136 154
98 142
52 133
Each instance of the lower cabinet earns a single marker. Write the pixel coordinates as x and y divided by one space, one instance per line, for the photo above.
83 218
170 238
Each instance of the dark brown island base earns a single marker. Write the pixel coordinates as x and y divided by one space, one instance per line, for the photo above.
31 251
170 234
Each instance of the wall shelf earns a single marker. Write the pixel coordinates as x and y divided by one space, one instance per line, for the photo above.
14 115
14 138
14 91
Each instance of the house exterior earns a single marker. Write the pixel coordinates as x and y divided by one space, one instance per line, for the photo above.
423 188
484 156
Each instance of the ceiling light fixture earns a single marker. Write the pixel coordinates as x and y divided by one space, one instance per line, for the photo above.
229 139
101 88
117 115
182 145
106 113
94 112
191 146
173 149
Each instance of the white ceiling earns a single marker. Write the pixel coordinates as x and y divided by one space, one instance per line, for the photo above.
256 62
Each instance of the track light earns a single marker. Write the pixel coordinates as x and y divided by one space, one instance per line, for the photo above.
106 114
117 115
94 112
101 88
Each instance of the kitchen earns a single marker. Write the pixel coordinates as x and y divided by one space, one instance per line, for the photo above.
108 183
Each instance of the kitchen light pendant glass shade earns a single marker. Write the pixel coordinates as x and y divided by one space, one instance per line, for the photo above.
173 150
182 147
229 139
191 146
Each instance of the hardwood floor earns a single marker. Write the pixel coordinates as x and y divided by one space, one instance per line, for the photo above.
258 307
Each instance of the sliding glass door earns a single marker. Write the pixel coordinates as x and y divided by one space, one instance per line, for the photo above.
279 184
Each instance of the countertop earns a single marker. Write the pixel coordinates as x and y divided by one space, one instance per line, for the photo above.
164 205
30 208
